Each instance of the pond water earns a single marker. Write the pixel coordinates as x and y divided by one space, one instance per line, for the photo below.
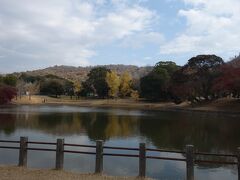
118 127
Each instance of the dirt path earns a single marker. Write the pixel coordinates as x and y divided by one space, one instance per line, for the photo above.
17 173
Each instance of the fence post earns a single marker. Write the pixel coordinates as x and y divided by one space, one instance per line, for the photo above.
238 159
59 154
99 157
190 162
142 160
23 151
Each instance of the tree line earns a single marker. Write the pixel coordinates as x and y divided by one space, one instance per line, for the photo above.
202 78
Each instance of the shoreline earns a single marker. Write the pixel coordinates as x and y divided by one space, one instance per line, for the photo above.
223 106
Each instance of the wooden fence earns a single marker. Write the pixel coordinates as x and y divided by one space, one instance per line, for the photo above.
191 157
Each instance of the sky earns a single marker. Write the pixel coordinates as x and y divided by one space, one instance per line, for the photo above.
41 33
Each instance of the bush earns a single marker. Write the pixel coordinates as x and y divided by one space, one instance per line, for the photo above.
7 93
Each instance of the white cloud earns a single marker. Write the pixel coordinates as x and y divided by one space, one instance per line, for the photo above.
212 27
66 31
139 40
124 23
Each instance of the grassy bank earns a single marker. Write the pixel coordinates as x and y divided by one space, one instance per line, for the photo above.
221 105
122 103
18 173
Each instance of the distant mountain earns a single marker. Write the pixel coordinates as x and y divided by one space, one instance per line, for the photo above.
80 73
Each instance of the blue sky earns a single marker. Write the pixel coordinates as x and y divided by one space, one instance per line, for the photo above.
41 33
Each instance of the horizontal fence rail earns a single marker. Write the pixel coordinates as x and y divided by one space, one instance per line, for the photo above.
165 150
6 141
166 158
41 143
79 145
190 157
214 154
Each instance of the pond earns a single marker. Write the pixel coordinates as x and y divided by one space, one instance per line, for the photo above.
208 132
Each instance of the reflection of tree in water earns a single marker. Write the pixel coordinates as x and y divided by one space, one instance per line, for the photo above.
97 125
93 123
207 132
108 125
7 123
51 123
216 158
54 119
60 123
121 126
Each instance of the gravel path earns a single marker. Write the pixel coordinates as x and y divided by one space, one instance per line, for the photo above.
17 173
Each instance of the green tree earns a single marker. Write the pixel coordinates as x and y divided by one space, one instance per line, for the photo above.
29 78
52 87
125 84
87 89
154 85
113 82
68 88
170 66
97 81
10 80
59 85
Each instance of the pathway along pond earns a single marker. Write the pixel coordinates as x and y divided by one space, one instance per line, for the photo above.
118 127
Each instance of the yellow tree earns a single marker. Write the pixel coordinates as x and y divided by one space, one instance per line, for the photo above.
125 84
77 89
77 86
113 82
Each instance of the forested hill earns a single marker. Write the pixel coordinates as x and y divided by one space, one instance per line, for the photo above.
80 73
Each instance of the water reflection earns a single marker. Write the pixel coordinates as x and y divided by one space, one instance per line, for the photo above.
7 123
208 132
163 129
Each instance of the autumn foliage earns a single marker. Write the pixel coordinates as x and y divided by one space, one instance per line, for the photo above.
229 81
202 78
195 80
7 93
